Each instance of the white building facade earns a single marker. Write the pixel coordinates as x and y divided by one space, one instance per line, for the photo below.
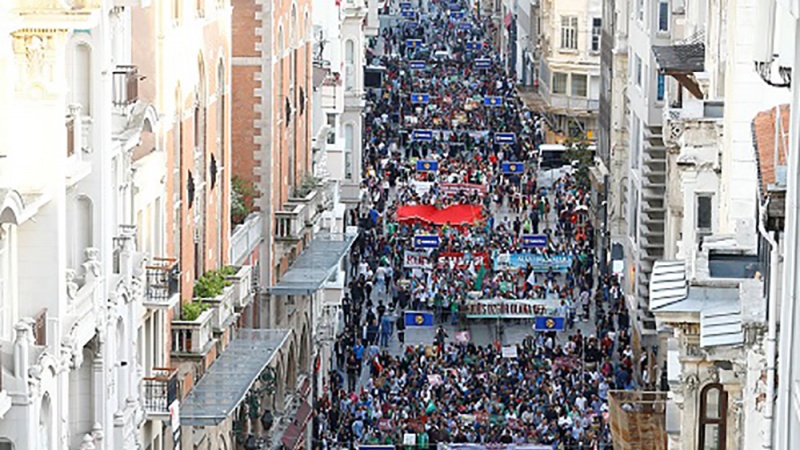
71 280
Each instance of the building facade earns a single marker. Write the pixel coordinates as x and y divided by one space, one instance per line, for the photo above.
71 283
569 64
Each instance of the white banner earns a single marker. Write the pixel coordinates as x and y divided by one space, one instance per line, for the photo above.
417 260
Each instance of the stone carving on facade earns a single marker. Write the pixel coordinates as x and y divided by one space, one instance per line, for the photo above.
92 264
37 52
713 375
72 285
689 383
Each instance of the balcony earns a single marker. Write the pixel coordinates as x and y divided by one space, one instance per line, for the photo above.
242 288
289 223
160 391
350 192
126 85
577 104
246 238
163 283
193 337
312 203
221 308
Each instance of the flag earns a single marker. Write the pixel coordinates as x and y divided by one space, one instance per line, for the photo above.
531 278
419 319
479 280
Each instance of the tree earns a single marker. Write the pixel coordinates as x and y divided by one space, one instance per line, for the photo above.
582 160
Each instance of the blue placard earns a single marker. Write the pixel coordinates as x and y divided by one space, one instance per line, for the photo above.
455 6
426 241
417 65
456 14
534 240
408 13
414 43
465 26
549 324
420 98
424 165
405 5
419 319
492 100
483 63
474 45
422 135
513 168
505 138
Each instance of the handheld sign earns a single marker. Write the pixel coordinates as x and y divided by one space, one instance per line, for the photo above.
427 166
414 43
455 6
504 138
512 168
465 26
422 135
408 13
492 100
549 324
420 98
426 241
474 45
534 240
483 63
405 5
456 14
417 65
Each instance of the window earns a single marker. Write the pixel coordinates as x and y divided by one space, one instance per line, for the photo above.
578 85
640 10
633 204
660 87
637 70
636 141
331 128
559 83
349 137
349 65
704 213
201 8
176 10
663 15
569 32
597 26
713 412
82 78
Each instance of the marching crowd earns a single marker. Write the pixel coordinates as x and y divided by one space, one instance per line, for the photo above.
554 391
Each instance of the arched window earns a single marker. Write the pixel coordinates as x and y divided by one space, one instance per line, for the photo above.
713 413
349 64
82 78
349 140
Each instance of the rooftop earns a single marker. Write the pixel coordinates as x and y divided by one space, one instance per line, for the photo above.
763 127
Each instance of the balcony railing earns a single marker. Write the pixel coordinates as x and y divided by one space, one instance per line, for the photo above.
245 238
242 288
160 390
289 224
192 337
126 85
163 281
574 103
221 308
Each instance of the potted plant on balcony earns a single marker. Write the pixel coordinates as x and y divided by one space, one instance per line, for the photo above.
213 289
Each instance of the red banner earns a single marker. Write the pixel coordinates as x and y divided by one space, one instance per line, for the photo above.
460 261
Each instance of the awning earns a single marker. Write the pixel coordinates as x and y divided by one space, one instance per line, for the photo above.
294 432
230 377
315 265
681 62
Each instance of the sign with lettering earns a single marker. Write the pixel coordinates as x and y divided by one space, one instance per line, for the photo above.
462 260
420 260
539 263
510 309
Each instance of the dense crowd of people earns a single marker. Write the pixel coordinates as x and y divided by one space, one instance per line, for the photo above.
555 389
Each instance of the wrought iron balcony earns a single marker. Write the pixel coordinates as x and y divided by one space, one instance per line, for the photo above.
160 390
163 282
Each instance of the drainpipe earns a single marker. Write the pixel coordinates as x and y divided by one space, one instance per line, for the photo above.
772 325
